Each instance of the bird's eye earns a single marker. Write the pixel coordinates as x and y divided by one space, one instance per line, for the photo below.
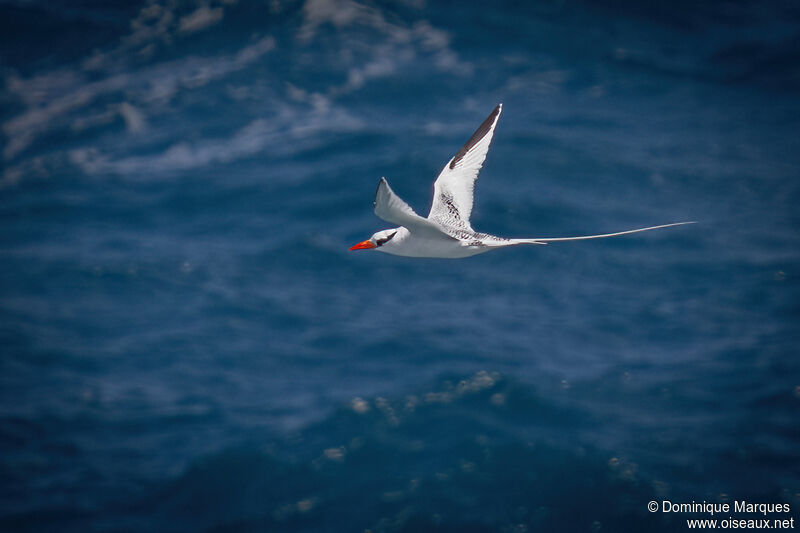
381 242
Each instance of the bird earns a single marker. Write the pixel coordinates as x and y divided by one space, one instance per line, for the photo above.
446 232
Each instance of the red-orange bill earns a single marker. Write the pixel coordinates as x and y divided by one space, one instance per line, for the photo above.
363 245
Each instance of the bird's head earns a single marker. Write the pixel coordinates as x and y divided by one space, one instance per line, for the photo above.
377 240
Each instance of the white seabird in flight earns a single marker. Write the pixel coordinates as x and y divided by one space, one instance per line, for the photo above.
447 233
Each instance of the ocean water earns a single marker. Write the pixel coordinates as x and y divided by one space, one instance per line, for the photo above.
186 344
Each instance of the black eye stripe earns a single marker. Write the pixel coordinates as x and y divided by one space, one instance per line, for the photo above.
383 241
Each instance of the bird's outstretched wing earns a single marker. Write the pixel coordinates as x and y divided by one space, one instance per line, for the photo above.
392 208
454 188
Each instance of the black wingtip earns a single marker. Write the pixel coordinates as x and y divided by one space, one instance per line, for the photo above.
381 182
479 134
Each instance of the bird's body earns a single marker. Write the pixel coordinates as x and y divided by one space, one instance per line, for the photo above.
407 244
446 232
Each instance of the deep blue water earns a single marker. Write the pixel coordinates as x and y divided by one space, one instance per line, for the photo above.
187 344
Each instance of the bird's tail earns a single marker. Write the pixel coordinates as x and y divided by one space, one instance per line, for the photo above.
545 240
526 241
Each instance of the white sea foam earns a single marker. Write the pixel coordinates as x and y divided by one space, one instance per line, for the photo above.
200 19
157 83
125 85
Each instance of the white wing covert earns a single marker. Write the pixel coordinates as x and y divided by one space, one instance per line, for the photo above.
454 188
392 208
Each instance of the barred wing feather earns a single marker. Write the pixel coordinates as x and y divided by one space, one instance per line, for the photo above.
454 188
